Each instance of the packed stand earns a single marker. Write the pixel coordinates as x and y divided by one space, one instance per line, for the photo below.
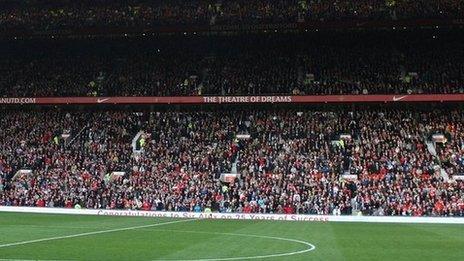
399 63
294 161
68 15
294 166
72 163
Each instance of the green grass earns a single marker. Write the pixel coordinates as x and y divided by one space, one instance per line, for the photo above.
209 239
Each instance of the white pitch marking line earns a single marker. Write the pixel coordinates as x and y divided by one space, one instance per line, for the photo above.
91 233
310 246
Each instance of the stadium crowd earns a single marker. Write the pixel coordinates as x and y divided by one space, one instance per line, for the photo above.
55 15
292 162
399 63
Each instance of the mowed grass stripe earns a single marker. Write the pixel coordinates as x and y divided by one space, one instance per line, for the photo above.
16 227
1 259
91 233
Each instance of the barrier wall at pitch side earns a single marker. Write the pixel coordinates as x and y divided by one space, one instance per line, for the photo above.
237 216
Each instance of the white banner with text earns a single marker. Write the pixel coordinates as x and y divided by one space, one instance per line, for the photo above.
236 216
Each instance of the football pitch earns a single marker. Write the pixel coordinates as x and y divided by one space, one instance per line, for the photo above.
69 237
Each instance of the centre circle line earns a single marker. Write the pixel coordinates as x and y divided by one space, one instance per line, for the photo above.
310 247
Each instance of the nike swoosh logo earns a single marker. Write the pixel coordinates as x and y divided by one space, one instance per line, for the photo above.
399 98
102 100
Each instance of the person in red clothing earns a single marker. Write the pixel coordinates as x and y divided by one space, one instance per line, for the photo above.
68 204
418 211
247 208
288 209
146 206
439 206
40 203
